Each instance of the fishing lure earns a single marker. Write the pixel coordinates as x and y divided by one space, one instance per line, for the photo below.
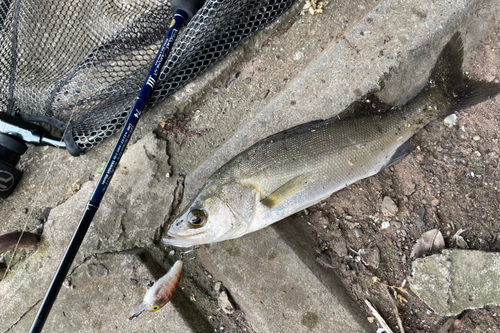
161 292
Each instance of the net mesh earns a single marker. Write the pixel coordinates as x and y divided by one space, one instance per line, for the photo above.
83 62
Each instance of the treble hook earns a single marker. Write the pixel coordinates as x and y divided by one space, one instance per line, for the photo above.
194 249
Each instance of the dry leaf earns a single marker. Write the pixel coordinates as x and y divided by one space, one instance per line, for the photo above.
430 240
459 240
459 321
461 243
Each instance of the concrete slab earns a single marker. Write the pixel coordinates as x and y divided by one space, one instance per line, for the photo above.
457 280
100 301
277 291
140 199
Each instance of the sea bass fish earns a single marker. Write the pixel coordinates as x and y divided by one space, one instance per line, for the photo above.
299 167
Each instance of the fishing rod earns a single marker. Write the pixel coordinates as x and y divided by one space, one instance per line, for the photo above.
183 10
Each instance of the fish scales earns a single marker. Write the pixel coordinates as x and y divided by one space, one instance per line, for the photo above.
297 168
333 151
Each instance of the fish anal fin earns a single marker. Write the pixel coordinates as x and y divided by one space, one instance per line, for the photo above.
285 191
404 150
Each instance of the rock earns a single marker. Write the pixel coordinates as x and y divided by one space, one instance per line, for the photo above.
389 207
370 256
385 225
224 303
408 188
340 248
324 259
457 280
419 222
451 120
496 244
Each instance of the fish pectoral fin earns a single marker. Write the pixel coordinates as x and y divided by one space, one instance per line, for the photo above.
285 191
404 150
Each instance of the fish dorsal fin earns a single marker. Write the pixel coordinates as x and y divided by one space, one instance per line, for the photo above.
404 150
285 191
367 105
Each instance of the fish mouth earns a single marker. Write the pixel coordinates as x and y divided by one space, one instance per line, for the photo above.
180 241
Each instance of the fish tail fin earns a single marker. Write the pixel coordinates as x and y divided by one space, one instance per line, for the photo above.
448 76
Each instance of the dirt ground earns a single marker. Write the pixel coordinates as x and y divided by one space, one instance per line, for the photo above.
450 182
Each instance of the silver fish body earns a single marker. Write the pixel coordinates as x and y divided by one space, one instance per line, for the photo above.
297 168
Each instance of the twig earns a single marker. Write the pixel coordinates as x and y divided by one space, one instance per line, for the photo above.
400 322
379 317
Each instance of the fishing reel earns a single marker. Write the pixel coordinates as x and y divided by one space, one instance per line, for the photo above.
14 133
11 150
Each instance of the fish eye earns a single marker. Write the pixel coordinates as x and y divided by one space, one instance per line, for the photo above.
156 308
197 218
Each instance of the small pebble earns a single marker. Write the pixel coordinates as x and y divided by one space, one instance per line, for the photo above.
370 256
248 80
385 225
476 138
324 259
358 232
420 218
224 303
264 94
67 283
451 120
340 248
389 207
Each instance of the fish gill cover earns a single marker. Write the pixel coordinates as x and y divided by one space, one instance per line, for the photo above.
83 62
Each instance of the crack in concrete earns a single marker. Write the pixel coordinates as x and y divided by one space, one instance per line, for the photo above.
178 195
22 316
95 255
176 205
